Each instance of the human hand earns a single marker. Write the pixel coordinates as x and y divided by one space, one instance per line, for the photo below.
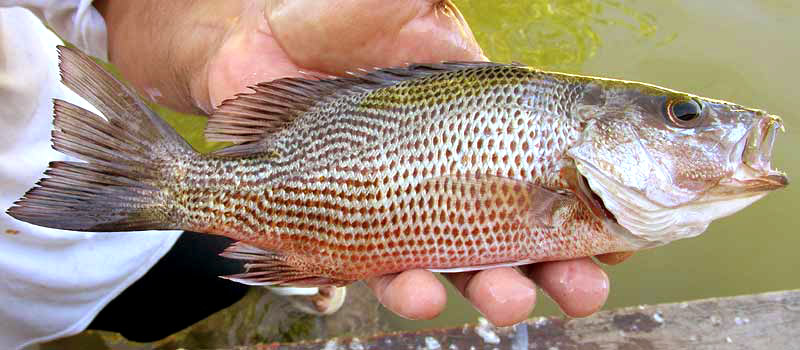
191 55
503 295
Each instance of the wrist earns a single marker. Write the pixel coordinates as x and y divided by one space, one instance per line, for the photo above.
162 47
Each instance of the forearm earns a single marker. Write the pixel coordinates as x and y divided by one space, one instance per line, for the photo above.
160 46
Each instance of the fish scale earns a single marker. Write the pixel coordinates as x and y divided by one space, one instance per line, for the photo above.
447 167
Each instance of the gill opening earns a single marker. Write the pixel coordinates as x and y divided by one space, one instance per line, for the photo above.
594 201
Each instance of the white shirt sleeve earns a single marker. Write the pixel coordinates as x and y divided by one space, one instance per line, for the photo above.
75 21
52 282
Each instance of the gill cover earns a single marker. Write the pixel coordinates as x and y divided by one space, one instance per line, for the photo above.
657 158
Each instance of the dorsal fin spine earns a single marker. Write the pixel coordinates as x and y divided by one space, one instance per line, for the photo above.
281 101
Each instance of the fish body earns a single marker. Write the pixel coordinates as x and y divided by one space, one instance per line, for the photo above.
446 167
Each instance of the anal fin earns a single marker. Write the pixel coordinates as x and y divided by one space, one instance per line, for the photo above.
267 268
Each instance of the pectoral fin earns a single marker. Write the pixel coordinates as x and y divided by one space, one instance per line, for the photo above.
614 258
526 204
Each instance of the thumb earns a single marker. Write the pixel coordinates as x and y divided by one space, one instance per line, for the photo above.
332 38
346 34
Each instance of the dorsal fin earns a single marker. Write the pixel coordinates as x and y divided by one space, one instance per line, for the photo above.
250 117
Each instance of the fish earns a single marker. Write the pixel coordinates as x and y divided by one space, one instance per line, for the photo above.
453 166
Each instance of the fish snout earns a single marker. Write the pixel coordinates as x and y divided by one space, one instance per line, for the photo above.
757 155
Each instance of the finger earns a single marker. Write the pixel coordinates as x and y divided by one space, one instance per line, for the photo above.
503 295
579 286
246 57
413 294
458 42
375 33
310 36
614 258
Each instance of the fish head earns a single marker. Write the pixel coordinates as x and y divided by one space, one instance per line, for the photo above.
664 164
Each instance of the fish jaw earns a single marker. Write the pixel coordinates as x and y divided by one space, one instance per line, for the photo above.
644 223
753 154
649 220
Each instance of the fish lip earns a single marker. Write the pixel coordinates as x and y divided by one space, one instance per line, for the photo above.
769 182
776 180
755 173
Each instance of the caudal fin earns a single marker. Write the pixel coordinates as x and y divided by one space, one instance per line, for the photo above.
128 156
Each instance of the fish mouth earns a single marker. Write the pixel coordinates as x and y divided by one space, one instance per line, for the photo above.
754 152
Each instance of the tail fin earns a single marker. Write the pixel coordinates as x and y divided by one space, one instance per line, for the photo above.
127 158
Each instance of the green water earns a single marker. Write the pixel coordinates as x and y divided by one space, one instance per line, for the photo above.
741 51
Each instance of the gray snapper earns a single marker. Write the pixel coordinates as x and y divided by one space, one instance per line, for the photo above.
448 167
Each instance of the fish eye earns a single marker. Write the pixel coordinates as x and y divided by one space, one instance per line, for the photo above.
684 113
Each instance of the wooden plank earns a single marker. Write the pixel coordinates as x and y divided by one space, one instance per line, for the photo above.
761 321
